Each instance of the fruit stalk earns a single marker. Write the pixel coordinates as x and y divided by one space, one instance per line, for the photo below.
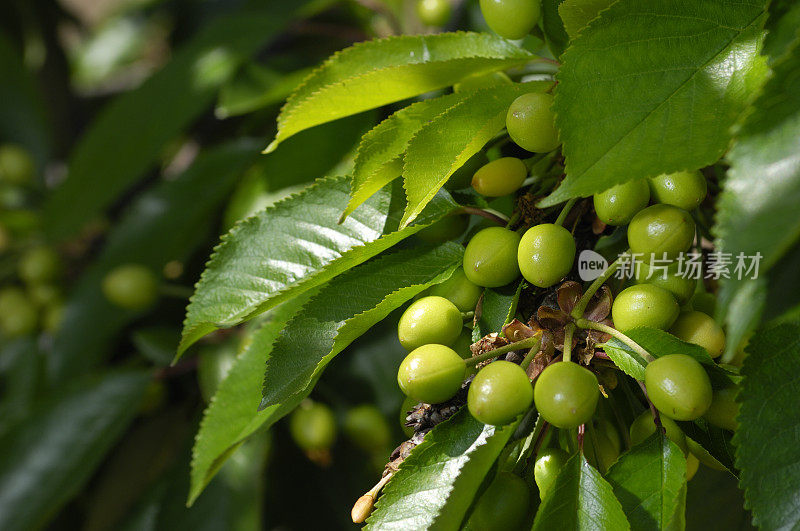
591 325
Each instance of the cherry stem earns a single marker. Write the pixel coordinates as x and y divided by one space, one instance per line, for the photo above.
528 343
564 211
529 357
580 307
568 333
514 218
497 217
591 325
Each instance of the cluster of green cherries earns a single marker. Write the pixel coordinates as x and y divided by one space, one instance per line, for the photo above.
33 297
511 19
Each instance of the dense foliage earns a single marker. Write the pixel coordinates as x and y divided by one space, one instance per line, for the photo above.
556 240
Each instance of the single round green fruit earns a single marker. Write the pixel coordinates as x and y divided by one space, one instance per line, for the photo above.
724 409
547 467
661 231
459 290
500 177
366 426
490 259
446 229
618 205
566 394
482 81
131 286
434 12
499 393
678 386
213 364
462 177
502 506
692 464
18 316
16 165
546 253
680 286
644 426
511 19
431 374
684 189
644 305
313 426
705 302
430 319
531 122
38 265
700 329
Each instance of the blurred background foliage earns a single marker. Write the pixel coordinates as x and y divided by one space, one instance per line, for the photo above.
144 121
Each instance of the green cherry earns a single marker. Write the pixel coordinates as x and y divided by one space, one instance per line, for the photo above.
431 374
546 254
429 320
434 12
502 506
700 329
644 305
39 265
16 165
500 177
684 189
18 316
724 409
681 286
313 426
511 19
459 290
531 122
366 426
499 393
678 386
644 426
462 177
566 394
547 467
618 205
490 259
131 286
661 231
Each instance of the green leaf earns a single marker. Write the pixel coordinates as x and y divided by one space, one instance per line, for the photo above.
764 179
165 223
232 416
378 72
660 343
110 158
653 88
783 28
379 156
650 483
436 484
48 457
346 308
577 14
445 143
20 365
714 501
553 27
498 306
766 443
582 500
293 246
714 440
